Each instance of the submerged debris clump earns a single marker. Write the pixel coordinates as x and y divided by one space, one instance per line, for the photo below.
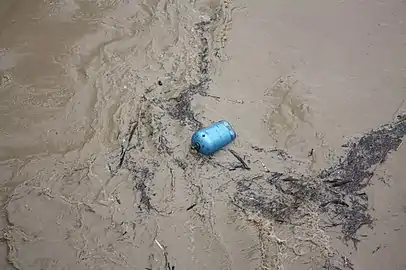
336 194
344 182
371 149
180 106
149 126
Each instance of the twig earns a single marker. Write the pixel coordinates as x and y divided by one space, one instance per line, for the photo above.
290 179
244 165
340 202
172 182
191 207
264 166
341 183
167 264
125 149
214 97
376 249
159 245
235 167
333 225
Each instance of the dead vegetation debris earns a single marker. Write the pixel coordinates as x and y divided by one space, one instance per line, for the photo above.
345 181
337 191
147 126
180 107
140 178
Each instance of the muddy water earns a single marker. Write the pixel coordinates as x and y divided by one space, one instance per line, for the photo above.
98 101
76 77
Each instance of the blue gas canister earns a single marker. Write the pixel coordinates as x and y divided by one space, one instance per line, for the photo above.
212 138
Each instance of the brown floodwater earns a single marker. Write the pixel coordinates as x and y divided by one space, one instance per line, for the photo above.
98 100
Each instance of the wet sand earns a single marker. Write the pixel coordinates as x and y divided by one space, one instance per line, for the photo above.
98 102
